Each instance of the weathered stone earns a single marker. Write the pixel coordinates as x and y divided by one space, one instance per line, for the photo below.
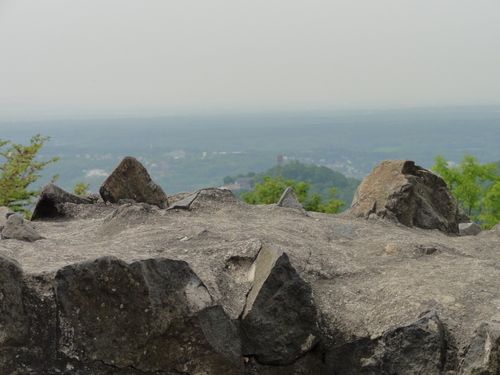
289 200
401 191
482 356
5 212
130 180
14 324
151 315
469 229
418 347
213 199
185 202
16 228
279 322
51 201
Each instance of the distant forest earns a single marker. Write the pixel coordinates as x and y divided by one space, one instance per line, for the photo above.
186 153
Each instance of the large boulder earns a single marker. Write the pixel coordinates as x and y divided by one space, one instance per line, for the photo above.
151 315
130 180
280 320
411 195
52 200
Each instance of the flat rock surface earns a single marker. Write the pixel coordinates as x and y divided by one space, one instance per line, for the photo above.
367 276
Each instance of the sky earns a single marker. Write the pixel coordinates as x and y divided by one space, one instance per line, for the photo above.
182 56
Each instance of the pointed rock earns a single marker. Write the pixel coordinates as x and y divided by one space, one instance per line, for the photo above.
290 200
17 229
279 322
51 200
130 180
411 195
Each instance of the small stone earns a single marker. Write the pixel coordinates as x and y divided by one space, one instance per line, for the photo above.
17 229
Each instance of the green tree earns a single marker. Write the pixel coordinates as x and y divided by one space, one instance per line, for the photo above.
271 189
476 187
19 170
80 188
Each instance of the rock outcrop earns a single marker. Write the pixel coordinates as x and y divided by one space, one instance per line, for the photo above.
212 285
130 180
401 191
53 202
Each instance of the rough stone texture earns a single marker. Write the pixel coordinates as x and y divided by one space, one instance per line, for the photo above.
14 325
469 229
483 354
16 228
368 278
51 202
289 200
152 315
279 322
130 180
4 213
415 348
401 191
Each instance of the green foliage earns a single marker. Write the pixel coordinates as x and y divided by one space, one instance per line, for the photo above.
476 187
81 188
228 180
19 170
271 188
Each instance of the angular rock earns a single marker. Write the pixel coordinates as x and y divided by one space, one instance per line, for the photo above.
418 347
411 195
51 201
469 229
483 354
289 200
150 315
17 229
5 212
213 199
279 322
130 180
185 203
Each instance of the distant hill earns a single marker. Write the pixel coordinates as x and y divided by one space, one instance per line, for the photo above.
321 179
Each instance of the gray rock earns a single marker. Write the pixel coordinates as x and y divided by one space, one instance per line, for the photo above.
51 202
16 228
411 195
4 213
279 322
289 200
14 323
482 356
184 203
469 229
130 180
150 315
418 347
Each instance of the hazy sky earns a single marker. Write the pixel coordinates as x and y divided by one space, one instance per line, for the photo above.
230 55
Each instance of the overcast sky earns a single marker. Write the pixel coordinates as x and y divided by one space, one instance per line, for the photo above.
230 55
